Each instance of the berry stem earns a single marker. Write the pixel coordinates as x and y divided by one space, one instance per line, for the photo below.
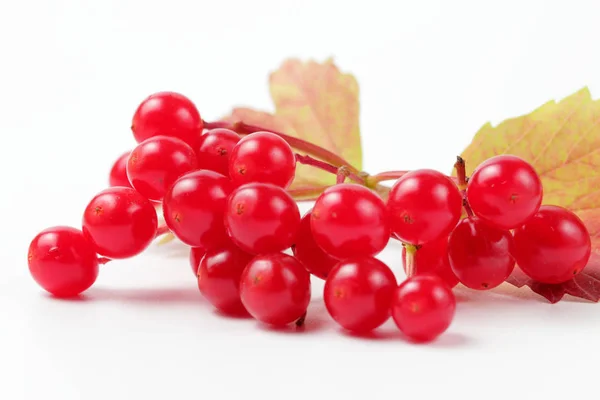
341 175
307 193
103 260
341 172
162 230
312 149
373 180
411 267
461 173
467 207
461 182
300 322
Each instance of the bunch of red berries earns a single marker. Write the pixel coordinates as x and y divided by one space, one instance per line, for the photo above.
225 196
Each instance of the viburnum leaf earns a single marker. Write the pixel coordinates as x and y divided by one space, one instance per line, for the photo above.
317 103
562 141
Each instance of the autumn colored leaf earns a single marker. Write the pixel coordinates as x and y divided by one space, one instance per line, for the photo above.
562 141
317 103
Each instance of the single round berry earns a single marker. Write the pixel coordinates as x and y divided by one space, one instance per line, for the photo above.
358 293
62 261
168 114
262 218
423 206
196 254
423 307
193 208
118 172
219 277
349 220
215 149
155 164
505 191
553 246
275 289
120 222
480 255
262 157
306 250
432 258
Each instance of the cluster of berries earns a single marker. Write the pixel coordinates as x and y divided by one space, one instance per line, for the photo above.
225 196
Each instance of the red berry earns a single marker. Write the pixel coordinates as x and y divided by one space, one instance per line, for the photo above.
169 114
423 205
358 293
219 277
196 254
120 222
194 206
262 157
62 261
505 191
118 172
306 250
432 258
275 289
154 165
215 149
480 254
553 246
423 307
262 218
349 220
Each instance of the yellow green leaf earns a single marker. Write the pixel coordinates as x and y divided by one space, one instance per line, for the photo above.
315 102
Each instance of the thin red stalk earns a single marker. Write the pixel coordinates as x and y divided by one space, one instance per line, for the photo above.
462 180
316 151
373 180
308 193
103 260
341 172
467 207
341 175
461 173
301 320
162 230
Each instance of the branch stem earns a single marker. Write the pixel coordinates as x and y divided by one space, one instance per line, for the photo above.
341 172
302 145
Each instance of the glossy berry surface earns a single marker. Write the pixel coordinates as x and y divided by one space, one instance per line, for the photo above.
505 191
155 164
169 114
275 289
62 261
214 150
120 222
480 254
553 246
306 250
262 218
193 208
219 277
196 254
262 157
358 293
423 307
432 258
424 206
118 171
349 220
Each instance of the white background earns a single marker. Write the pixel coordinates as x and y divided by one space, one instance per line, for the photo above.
431 73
